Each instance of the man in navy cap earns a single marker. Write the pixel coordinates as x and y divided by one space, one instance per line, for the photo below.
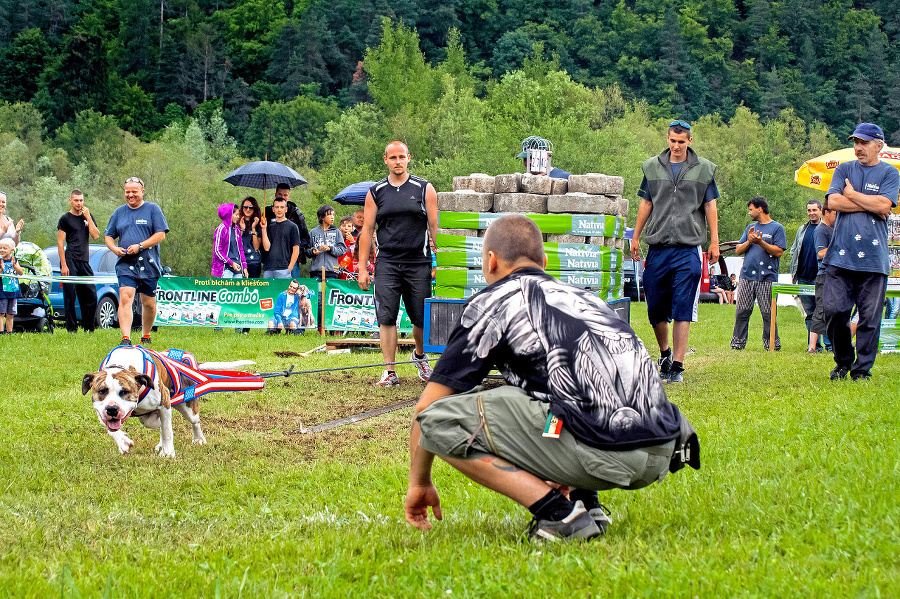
862 192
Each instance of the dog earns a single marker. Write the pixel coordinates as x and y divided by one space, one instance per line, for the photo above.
135 381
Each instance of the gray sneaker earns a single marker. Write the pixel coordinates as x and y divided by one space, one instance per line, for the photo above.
601 516
675 377
577 525
665 366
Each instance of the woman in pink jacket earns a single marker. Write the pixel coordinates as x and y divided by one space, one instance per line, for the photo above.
228 250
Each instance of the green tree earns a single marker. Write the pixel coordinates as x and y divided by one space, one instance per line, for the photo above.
290 125
134 110
399 77
20 62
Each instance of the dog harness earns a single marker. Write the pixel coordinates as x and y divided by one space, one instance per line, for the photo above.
189 382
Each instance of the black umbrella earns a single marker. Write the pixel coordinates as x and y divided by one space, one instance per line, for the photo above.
264 174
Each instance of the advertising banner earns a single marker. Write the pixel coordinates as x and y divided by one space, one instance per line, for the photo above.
462 284
560 256
348 308
598 225
214 302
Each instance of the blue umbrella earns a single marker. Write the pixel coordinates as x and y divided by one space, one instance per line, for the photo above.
264 174
354 195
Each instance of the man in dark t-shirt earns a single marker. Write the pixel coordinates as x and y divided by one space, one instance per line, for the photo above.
281 239
73 230
575 371
404 207
805 265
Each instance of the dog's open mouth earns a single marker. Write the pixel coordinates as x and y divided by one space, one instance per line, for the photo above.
114 424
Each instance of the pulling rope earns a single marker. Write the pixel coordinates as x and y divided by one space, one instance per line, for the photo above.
290 371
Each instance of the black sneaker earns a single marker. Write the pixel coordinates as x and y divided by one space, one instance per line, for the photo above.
860 376
577 525
601 516
675 376
125 342
665 366
145 341
839 373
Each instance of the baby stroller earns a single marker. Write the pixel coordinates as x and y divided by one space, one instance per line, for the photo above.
34 312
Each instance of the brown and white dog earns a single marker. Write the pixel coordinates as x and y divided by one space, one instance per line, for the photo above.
116 391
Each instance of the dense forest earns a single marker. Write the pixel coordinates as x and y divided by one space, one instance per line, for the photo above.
180 92
150 62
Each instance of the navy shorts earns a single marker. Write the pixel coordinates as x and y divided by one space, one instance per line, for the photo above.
143 286
672 283
412 282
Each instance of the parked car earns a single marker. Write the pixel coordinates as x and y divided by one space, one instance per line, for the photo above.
705 294
633 274
103 261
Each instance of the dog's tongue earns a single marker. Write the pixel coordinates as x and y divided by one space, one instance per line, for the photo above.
114 425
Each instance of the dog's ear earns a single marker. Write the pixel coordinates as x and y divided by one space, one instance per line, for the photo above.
143 379
87 381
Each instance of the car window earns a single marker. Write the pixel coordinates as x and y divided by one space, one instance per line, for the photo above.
107 262
53 256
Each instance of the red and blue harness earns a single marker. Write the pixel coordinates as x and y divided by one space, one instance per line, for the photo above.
188 380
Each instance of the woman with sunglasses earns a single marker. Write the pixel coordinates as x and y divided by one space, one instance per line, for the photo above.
251 235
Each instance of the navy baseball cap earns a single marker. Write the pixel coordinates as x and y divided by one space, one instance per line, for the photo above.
867 132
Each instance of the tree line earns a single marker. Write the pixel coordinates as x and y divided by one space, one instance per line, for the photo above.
149 63
453 121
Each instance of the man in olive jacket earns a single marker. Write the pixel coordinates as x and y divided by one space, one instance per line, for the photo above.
678 203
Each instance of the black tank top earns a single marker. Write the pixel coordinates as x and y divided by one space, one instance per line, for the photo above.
402 221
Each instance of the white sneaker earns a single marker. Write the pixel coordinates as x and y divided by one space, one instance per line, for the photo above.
422 366
388 379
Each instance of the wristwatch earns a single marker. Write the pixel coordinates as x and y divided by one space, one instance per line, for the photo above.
141 246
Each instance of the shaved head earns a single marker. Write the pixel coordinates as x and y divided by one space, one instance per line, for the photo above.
514 237
399 145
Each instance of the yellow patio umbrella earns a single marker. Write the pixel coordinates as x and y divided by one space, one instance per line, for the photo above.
817 172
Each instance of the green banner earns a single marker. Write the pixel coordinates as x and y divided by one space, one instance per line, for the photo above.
599 225
560 256
214 302
889 341
606 292
793 289
348 308
473 278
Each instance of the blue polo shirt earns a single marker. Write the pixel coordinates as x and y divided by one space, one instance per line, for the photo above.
860 239
760 265
136 225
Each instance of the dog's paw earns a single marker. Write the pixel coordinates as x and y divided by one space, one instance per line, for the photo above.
199 439
125 444
167 452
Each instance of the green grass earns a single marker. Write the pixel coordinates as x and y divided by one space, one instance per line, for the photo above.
797 496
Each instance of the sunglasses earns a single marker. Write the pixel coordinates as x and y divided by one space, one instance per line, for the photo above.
247 207
679 124
134 180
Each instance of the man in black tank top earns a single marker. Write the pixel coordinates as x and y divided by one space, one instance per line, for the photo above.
405 209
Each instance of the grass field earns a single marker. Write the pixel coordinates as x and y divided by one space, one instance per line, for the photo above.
797 497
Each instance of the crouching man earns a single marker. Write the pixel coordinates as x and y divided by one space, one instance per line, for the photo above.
584 410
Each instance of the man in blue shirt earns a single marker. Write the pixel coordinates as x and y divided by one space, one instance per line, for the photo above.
763 242
140 227
862 193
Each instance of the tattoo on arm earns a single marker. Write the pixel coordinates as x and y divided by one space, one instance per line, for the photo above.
501 464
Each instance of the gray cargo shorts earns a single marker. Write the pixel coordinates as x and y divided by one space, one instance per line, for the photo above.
508 423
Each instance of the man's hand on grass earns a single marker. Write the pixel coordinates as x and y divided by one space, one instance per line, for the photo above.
418 499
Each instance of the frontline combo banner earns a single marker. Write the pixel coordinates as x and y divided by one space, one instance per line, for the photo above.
348 308
214 302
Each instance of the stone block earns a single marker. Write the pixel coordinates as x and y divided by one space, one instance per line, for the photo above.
597 241
619 244
623 207
463 232
465 201
552 238
559 186
520 202
477 182
596 183
537 184
579 203
511 183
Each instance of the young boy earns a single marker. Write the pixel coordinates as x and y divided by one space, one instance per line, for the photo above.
345 261
327 245
9 290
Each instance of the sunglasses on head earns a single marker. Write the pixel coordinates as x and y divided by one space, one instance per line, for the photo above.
679 124
134 180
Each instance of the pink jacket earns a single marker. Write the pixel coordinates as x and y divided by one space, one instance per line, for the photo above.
226 233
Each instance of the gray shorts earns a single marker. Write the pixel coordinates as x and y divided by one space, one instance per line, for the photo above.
8 305
277 274
513 427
